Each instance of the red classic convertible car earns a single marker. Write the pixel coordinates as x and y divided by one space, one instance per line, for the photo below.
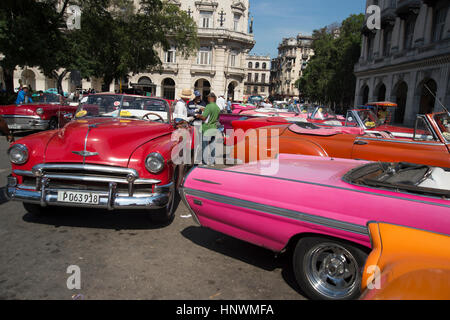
44 114
104 158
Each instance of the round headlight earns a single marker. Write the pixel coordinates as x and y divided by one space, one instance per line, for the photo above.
154 163
40 111
18 154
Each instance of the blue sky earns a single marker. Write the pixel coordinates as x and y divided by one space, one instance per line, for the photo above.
276 19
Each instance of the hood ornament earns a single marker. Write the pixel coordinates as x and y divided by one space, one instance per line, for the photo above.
85 153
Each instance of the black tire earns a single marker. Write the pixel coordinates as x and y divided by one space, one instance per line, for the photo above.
53 124
167 215
323 265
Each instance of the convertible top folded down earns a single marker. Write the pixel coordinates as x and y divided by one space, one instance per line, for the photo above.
321 131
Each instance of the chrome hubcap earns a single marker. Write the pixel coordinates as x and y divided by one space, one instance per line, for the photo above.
332 270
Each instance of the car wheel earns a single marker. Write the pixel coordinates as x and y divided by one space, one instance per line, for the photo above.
53 124
167 215
328 269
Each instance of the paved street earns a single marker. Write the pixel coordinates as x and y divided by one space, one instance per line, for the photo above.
126 256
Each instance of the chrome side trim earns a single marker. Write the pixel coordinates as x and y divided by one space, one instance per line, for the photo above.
183 198
340 188
397 141
13 116
208 182
181 190
300 216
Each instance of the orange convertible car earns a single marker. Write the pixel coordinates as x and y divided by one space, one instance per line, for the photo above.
429 144
407 264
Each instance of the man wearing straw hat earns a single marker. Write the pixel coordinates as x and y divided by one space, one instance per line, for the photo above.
180 113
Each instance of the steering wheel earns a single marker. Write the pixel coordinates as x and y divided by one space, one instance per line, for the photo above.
147 116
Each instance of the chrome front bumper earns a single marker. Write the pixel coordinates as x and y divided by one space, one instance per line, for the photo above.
26 123
43 194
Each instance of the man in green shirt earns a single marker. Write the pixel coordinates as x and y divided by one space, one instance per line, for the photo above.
210 118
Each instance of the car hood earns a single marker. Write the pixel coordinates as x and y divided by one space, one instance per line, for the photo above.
21 110
111 141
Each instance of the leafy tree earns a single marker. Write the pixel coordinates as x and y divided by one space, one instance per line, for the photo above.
115 38
28 31
114 43
329 77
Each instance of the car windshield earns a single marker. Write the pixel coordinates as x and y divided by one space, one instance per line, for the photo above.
46 98
293 108
368 118
101 105
443 122
280 105
405 177
306 109
324 113
144 104
120 106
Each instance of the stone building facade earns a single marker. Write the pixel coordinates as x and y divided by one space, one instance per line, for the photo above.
257 82
293 56
407 58
219 66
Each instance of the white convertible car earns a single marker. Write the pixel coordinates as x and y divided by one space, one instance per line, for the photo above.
129 106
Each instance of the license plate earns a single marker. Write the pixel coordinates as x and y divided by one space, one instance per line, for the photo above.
14 126
78 197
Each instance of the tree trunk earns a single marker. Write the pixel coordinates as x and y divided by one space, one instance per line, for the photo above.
107 80
8 75
59 79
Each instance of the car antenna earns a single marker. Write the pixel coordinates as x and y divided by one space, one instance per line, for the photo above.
434 96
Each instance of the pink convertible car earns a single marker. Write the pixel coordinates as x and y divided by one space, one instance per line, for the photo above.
320 207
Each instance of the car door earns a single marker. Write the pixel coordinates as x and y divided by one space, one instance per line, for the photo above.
423 148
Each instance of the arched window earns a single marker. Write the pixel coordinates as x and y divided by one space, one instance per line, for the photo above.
168 89
264 66
257 65
250 65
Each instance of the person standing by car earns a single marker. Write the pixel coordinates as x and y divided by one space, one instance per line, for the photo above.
210 118
22 96
229 103
196 104
181 113
221 103
5 130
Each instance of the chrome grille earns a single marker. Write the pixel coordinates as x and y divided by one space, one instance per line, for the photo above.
85 177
